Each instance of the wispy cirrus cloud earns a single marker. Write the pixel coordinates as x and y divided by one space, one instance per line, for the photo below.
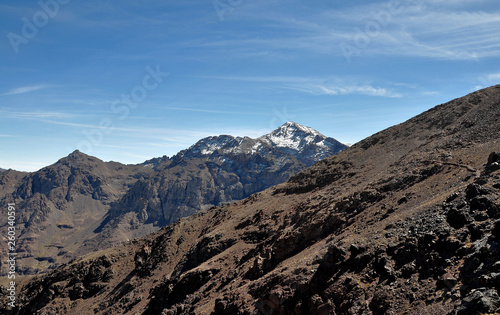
353 89
493 77
198 110
447 35
486 80
133 131
318 86
214 111
464 30
35 115
25 89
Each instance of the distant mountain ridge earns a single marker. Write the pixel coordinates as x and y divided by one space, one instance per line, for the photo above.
305 143
81 203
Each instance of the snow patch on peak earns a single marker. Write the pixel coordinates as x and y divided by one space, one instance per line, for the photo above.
210 145
291 138
290 125
213 145
294 136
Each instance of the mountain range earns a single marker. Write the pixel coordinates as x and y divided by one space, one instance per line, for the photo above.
81 204
406 221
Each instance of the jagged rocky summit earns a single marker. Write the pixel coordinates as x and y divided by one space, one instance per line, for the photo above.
307 145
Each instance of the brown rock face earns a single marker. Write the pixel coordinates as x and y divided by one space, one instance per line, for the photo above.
403 222
57 206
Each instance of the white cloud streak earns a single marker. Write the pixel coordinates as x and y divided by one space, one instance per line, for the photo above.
416 29
25 89
318 86
35 115
363 90
211 111
494 77
487 80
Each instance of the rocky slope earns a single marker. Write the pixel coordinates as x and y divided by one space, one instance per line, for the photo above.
58 207
404 222
9 180
82 204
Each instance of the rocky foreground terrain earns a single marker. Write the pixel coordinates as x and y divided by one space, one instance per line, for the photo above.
406 221
81 204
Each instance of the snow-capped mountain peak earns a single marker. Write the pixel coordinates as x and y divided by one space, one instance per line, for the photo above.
304 143
293 126
293 136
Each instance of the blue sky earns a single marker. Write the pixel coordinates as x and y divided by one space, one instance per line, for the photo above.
131 80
